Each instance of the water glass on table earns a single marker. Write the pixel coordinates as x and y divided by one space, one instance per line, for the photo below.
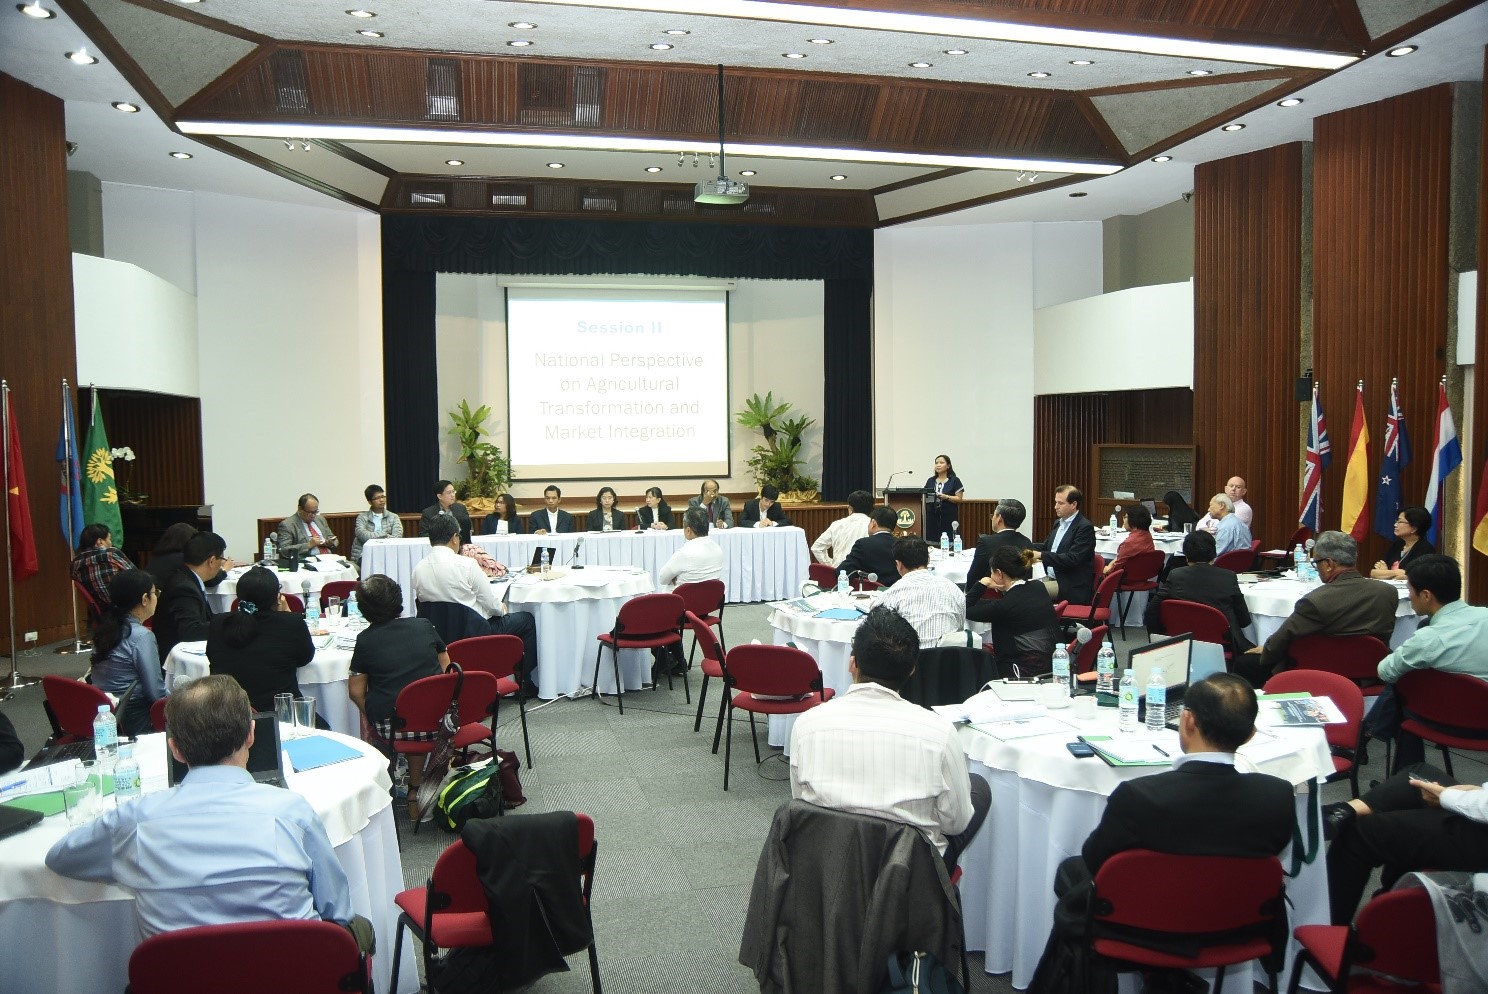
333 612
284 711
304 713
83 800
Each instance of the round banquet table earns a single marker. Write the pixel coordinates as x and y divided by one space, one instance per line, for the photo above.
829 643
759 564
953 566
1109 546
77 935
323 678
327 569
1271 602
572 609
1045 803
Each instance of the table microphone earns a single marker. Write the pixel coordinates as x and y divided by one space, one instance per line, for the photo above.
578 544
1082 634
867 576
305 591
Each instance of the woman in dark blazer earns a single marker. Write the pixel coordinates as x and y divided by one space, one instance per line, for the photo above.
505 510
715 503
1411 526
655 513
606 516
942 493
261 644
1024 626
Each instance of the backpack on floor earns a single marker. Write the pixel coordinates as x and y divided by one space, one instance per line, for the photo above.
480 790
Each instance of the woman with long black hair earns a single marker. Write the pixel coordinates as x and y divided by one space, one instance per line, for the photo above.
124 651
261 643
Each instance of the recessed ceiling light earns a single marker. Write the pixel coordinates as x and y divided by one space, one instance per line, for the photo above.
1040 74
1289 102
125 107
1396 53
368 33
1082 62
1162 158
1079 193
518 43
359 12
955 51
676 32
653 169
180 155
661 46
838 177
521 25
1233 127
555 165
746 172
454 162
1200 72
820 41
82 58
793 55
921 65
36 10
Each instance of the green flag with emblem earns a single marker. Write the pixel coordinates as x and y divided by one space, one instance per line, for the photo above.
100 496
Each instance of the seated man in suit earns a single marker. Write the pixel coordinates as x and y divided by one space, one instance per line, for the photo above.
836 541
445 506
183 614
1068 554
97 562
1006 520
448 577
551 519
306 532
875 554
1346 604
765 510
1203 583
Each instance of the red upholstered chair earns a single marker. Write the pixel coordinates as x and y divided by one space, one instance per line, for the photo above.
650 621
1232 909
157 714
1356 657
1238 560
1393 939
73 705
420 707
1299 537
822 574
1343 740
788 675
479 693
305 957
1141 577
336 588
1456 700
497 655
1082 657
1205 623
713 668
1098 612
704 598
95 610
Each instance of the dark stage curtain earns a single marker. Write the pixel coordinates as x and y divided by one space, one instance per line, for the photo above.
415 248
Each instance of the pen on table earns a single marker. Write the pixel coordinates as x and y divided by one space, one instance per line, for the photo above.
1163 751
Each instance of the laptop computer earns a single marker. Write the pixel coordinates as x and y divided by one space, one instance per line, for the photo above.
265 758
1173 655
47 755
537 556
14 819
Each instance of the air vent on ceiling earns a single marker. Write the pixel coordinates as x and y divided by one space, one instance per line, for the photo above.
427 197
677 202
588 87
442 81
510 195
601 198
291 86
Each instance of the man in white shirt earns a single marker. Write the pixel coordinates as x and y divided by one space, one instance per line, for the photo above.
871 752
700 558
933 605
445 576
1235 490
833 545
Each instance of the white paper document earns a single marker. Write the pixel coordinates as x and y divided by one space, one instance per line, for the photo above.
1024 728
1141 747
988 708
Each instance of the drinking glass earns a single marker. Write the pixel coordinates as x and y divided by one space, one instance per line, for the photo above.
1188 528
304 708
284 711
82 800
333 611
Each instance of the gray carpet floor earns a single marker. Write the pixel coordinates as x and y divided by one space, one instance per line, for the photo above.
676 853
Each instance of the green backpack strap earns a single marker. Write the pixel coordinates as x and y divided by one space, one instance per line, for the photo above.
1305 852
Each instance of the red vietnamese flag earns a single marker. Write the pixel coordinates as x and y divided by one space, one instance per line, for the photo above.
22 539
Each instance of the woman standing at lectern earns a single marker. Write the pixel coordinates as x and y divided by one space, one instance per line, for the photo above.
942 493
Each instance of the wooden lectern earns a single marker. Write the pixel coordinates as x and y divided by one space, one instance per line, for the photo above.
911 499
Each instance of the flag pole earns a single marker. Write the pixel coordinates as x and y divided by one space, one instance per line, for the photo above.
69 443
16 682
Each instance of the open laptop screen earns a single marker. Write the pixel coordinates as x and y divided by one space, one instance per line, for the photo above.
1171 654
265 758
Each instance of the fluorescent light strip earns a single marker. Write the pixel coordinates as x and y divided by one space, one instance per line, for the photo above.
964 27
606 143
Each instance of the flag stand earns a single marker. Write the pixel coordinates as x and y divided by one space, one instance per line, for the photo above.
16 681
68 442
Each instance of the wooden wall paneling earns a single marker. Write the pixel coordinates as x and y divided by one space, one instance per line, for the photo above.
1381 278
166 435
37 347
1248 230
1473 461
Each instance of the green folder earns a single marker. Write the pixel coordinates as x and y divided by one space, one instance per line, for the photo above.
1094 742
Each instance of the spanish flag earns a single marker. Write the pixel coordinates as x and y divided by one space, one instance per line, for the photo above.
1356 475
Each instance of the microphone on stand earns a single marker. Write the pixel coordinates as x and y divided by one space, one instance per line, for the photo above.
862 573
305 593
578 544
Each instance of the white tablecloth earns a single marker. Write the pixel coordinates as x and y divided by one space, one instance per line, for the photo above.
1109 546
572 609
323 678
1044 805
828 642
1271 602
327 568
759 564
74 937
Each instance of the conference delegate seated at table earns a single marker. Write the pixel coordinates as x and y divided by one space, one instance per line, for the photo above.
183 613
605 517
445 506
933 606
1411 526
1024 625
655 514
261 644
373 523
306 532
124 650
551 519
720 513
874 555
97 562
503 519
700 558
391 652
1138 521
838 538
764 511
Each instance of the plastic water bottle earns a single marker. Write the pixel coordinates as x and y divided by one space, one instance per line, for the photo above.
956 545
268 551
1299 561
1062 667
312 612
1127 701
105 738
543 563
842 581
1113 524
126 775
353 610
1157 701
1105 670
945 542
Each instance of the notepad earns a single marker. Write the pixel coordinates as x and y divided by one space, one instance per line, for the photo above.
315 751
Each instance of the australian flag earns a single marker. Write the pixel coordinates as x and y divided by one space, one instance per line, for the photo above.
1319 455
1388 499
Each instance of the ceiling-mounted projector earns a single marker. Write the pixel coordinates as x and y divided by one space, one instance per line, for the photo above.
722 191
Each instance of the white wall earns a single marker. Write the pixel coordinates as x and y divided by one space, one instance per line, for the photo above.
1135 339
1067 261
775 344
153 229
135 331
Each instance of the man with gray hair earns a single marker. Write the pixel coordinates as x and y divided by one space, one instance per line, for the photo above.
1230 532
1346 604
